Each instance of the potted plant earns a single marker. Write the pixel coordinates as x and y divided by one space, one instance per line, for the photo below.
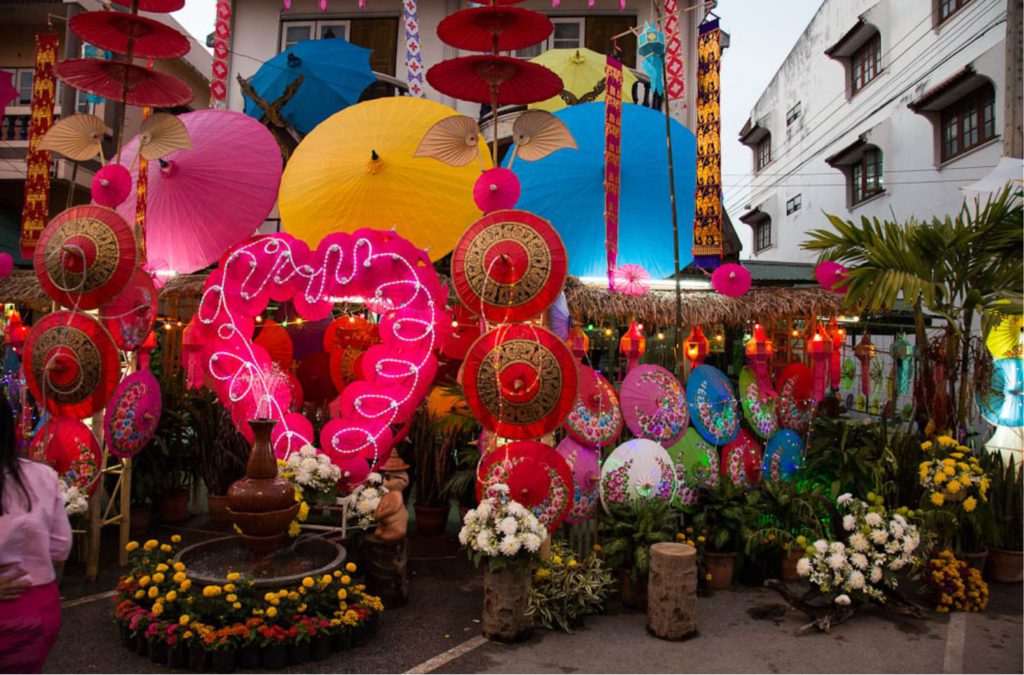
221 451
1006 554
169 455
722 515
786 518
434 442
567 588
628 534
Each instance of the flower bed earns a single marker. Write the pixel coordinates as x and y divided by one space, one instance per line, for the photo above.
162 615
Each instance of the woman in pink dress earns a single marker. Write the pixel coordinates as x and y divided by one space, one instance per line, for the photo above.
34 532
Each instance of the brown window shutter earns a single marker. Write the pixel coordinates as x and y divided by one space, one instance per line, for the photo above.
599 32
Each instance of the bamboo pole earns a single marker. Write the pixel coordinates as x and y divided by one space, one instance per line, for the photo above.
679 367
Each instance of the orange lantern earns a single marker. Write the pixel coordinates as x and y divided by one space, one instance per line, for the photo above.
633 345
838 337
696 347
819 350
578 341
759 350
15 332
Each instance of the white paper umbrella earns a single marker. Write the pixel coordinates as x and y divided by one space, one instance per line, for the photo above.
637 469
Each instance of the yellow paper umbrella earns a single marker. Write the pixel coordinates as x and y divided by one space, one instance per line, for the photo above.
357 169
582 73
1006 339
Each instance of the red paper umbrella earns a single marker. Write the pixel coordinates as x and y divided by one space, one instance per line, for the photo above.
500 29
70 448
509 265
85 256
277 342
132 414
831 275
537 477
314 374
796 397
595 418
350 331
130 315
520 381
111 185
114 31
71 364
120 81
156 6
494 79
346 366
465 331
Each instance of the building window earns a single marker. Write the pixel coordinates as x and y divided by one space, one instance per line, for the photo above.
569 33
293 32
762 235
866 176
793 114
763 153
948 8
793 205
23 83
969 122
865 63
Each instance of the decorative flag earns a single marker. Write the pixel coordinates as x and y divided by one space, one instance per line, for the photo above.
707 222
221 54
37 179
413 57
673 59
140 196
612 160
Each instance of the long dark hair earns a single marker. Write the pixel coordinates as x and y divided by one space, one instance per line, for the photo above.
9 465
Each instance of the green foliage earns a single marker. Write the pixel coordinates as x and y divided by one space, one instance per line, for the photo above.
785 511
221 452
436 442
1006 498
851 456
629 532
565 589
724 514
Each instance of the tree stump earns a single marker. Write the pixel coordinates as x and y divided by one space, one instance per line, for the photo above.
672 591
386 566
506 599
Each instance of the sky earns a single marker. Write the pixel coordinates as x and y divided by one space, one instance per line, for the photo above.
762 33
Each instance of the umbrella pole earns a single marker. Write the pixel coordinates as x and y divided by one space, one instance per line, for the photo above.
675 228
124 86
494 124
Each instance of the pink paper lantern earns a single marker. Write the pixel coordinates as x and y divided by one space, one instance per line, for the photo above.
111 186
496 189
831 275
731 279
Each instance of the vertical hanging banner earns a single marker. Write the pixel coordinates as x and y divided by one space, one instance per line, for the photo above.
141 186
674 86
221 55
612 161
707 222
413 57
35 214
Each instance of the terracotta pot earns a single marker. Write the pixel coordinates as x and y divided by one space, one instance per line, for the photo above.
720 567
218 505
789 565
141 517
975 559
430 520
1005 567
172 506
632 593
506 599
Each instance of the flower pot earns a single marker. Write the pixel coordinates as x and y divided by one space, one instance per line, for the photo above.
141 644
178 656
632 593
360 635
298 653
218 506
172 506
320 647
506 599
197 658
341 640
141 517
1005 567
430 520
125 634
974 560
249 657
789 572
157 651
223 660
274 657
720 567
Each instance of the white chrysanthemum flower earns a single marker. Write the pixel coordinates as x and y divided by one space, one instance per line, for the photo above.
859 560
483 510
499 489
873 519
879 536
856 580
897 564
374 478
844 498
507 525
843 600
821 546
837 547
509 546
858 541
803 567
876 574
531 542
516 509
896 529
849 522
483 539
837 561
464 536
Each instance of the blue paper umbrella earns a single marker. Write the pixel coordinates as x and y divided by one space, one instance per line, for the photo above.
334 71
1002 401
783 455
714 410
567 188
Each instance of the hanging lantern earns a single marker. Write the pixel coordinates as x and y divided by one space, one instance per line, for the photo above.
579 343
819 350
838 337
759 351
146 349
191 355
633 345
696 347
15 332
865 351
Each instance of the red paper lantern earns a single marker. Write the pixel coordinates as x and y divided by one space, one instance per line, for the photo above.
696 347
759 351
819 350
15 332
838 337
633 345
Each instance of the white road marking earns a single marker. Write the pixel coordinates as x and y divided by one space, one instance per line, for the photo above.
449 656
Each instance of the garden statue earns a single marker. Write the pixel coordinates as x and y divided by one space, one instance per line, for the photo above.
385 552
391 514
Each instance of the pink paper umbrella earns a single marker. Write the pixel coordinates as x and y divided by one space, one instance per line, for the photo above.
202 201
586 476
630 279
831 275
132 414
731 279
654 404
111 185
496 189
289 437
129 315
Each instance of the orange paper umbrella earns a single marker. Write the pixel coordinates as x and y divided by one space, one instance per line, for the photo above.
509 265
115 31
484 29
85 256
120 81
350 331
71 450
494 79
71 364
130 315
277 342
520 381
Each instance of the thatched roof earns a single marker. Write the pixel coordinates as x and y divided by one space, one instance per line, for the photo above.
657 308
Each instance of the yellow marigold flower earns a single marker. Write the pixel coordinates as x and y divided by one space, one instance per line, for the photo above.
301 608
231 597
179 567
131 546
271 612
326 579
184 619
700 538
175 538
956 455
229 588
937 498
342 594
158 609
161 568
153 592
927 445
707 577
970 504
140 594
350 567
236 605
144 580
172 596
269 596
303 511
308 582
179 577
294 529
185 585
166 548
556 560
150 545
946 440
681 537
597 548
293 596
953 486
283 593
572 563
234 576
940 477
211 591
345 579
158 578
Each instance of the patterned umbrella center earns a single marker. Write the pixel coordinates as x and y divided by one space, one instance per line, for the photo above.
71 361
78 253
507 262
513 373
495 72
82 255
519 382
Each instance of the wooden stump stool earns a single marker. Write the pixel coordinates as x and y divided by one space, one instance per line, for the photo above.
672 591
386 565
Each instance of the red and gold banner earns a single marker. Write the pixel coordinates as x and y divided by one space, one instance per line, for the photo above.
35 213
674 84
140 197
612 160
221 54
707 222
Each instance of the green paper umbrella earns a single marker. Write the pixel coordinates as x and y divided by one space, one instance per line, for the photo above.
758 408
696 464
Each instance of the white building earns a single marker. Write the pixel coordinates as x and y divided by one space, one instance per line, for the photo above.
883 108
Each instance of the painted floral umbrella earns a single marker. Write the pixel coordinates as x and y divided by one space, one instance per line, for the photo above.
637 469
585 463
714 410
203 201
741 459
782 456
71 449
696 466
595 419
132 414
537 477
758 407
654 404
130 315
795 404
